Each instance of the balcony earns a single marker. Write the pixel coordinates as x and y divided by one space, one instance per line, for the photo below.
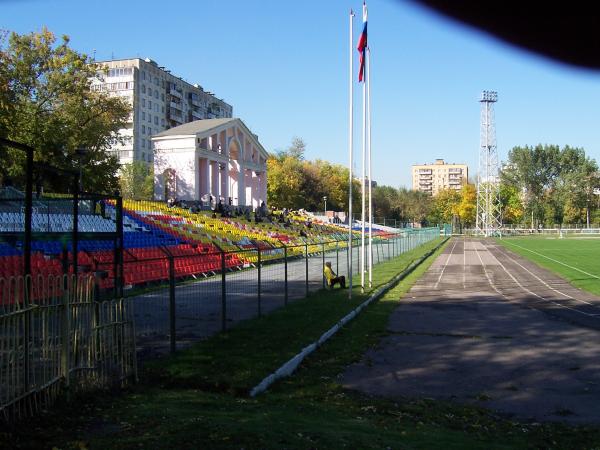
176 105
173 114
175 93
196 114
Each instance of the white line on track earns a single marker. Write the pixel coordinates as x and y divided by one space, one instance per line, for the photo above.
486 273
464 263
554 260
444 268
542 281
527 290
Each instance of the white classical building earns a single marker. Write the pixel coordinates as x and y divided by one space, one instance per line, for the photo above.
159 99
217 157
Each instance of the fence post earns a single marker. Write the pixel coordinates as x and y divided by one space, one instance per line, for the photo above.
323 253
172 317
259 290
120 279
223 290
337 256
65 333
285 263
306 263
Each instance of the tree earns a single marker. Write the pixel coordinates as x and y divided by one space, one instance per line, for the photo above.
54 109
532 170
297 149
445 206
467 207
555 185
136 181
510 204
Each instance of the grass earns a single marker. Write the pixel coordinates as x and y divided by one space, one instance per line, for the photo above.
574 259
198 398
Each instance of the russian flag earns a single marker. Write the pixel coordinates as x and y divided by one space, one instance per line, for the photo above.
362 45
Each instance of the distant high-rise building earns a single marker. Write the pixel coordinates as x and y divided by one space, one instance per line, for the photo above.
432 178
160 100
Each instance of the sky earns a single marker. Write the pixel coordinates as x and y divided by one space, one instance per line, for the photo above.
283 66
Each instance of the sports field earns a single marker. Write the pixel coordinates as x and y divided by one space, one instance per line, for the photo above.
576 259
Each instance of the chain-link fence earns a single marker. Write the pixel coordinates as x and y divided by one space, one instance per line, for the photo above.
194 294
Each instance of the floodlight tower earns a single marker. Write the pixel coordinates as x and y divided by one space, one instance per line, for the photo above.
488 222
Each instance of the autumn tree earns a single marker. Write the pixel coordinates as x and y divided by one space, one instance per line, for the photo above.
47 102
444 206
136 181
467 207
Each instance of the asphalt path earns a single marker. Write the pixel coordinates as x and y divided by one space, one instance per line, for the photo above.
484 326
199 306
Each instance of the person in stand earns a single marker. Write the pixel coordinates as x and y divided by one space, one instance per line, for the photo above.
332 278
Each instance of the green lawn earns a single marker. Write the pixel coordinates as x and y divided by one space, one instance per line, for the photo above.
576 259
199 398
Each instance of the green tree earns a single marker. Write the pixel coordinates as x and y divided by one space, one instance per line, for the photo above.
297 149
54 109
532 171
511 204
444 206
136 181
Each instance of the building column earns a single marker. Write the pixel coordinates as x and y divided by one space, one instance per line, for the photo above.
225 182
208 185
255 189
262 187
242 185
219 181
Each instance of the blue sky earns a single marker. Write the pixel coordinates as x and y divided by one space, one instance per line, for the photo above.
283 66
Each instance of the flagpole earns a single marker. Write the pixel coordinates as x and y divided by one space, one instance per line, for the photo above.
350 145
368 72
364 139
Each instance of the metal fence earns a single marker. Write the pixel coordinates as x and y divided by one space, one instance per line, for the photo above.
56 339
193 296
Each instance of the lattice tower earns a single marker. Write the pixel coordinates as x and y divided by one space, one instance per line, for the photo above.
489 219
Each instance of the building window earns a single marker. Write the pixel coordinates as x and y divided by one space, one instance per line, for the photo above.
143 103
156 94
143 129
143 88
143 143
155 120
143 115
143 155
156 81
149 118
143 75
162 121
150 104
162 109
150 92
162 97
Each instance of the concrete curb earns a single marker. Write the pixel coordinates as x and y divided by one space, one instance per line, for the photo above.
290 366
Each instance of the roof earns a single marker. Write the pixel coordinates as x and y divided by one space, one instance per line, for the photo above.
195 127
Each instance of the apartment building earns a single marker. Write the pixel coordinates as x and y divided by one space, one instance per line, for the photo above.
160 100
432 178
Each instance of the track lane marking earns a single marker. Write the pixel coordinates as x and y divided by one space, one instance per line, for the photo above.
540 279
554 260
444 267
531 292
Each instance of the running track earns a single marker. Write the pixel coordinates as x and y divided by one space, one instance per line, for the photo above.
485 326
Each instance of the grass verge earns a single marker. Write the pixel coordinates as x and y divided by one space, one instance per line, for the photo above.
198 399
